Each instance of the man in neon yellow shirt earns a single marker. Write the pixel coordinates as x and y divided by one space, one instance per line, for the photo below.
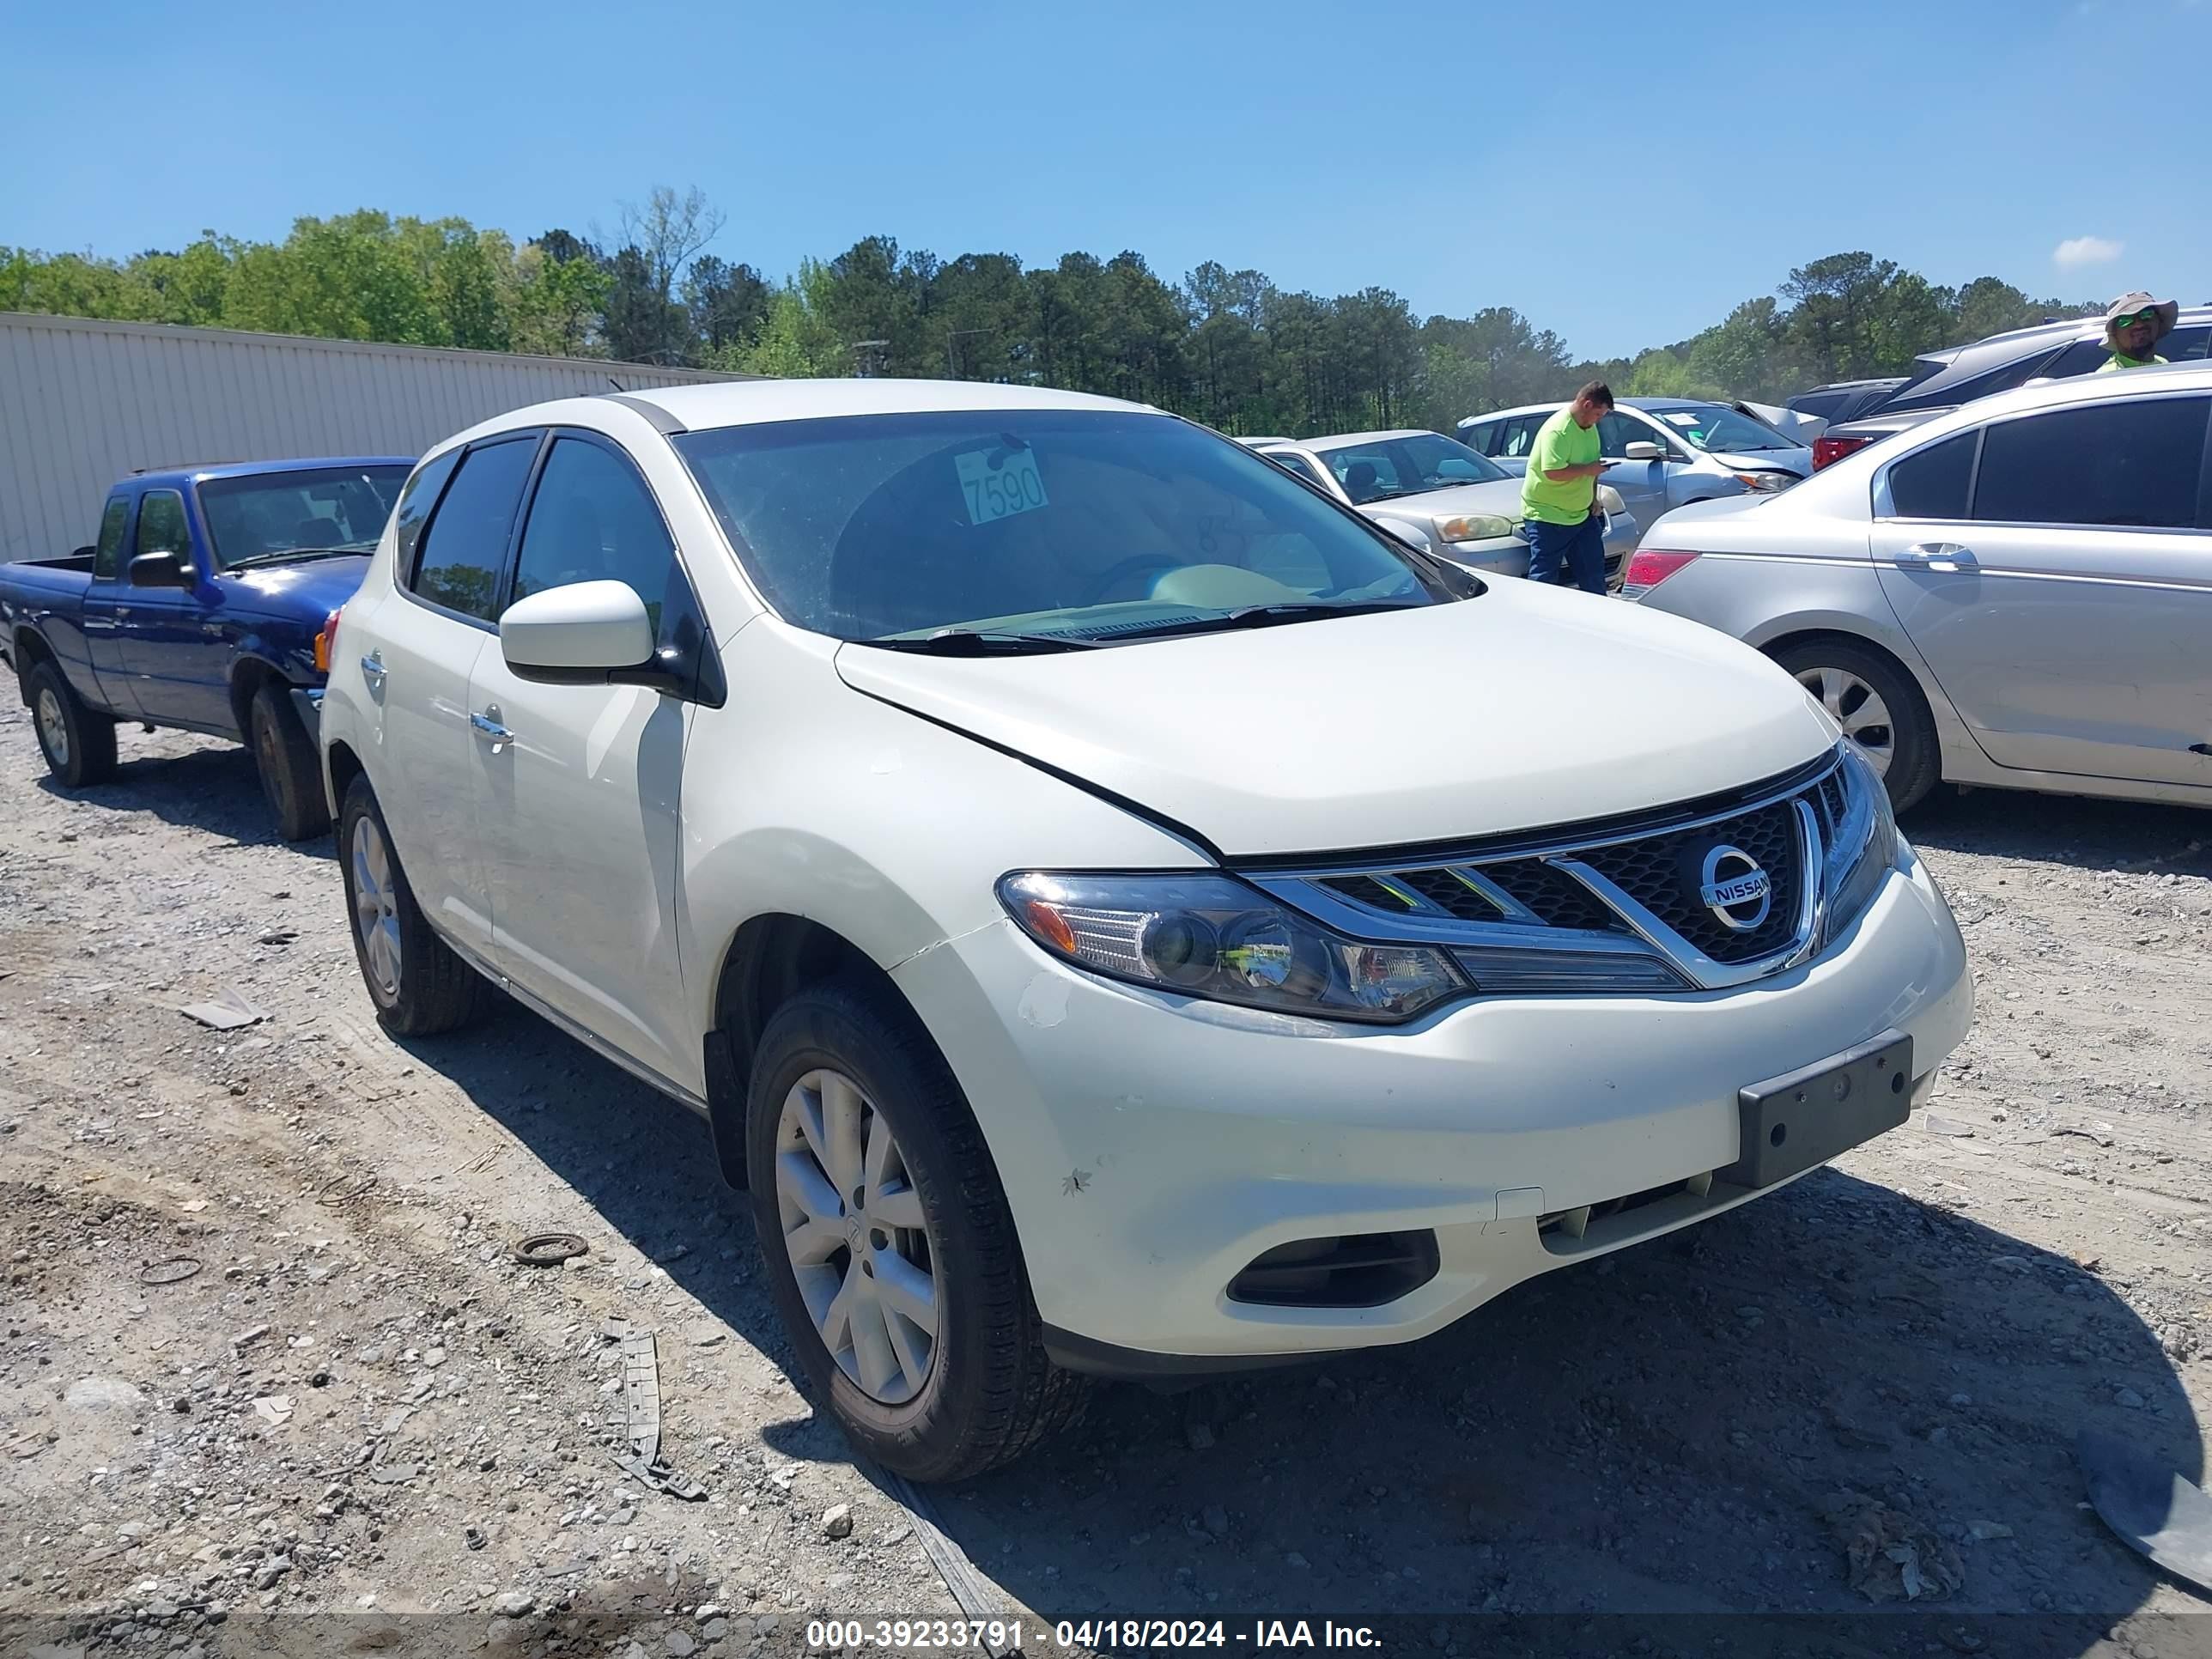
2134 323
1559 495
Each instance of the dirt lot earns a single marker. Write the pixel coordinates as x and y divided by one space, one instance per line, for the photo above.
359 1402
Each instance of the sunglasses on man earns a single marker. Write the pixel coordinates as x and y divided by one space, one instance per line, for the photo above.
2147 319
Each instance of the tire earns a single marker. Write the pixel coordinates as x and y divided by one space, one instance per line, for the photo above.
420 987
1854 682
291 771
79 745
987 1393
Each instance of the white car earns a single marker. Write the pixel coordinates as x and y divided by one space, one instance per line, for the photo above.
1438 495
1126 913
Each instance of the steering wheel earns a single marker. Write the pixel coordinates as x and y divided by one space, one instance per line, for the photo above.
1115 575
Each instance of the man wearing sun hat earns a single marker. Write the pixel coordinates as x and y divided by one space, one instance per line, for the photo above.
2134 325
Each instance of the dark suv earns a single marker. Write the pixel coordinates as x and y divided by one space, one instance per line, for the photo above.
2052 351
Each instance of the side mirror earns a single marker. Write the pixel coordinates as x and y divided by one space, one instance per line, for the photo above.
160 570
1645 450
584 633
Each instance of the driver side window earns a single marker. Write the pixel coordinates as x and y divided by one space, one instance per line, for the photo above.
1616 431
592 519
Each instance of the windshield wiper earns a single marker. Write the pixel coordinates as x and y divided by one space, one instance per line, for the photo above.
287 555
984 642
1268 615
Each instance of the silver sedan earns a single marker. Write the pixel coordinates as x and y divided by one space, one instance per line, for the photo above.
2016 594
1440 495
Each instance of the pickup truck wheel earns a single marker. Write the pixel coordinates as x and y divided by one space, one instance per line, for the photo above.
418 985
79 745
890 1252
291 771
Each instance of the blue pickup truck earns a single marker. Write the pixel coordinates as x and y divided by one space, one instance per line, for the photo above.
206 603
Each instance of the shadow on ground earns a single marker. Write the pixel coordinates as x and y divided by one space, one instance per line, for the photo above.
1663 1430
2080 833
214 789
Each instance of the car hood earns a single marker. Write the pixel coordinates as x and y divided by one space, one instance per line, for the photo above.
1499 495
1799 461
307 590
1525 707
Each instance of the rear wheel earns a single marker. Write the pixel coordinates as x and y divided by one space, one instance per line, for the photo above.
890 1249
291 771
418 985
1879 708
79 745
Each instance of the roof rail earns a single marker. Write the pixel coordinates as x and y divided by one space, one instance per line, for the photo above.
663 423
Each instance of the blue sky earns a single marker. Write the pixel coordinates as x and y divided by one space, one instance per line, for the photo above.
1623 173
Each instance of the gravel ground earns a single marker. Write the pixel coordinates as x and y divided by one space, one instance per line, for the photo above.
358 1402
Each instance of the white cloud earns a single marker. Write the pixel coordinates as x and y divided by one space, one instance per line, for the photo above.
2078 250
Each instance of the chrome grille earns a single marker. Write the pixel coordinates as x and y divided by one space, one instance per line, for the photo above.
1662 874
1616 886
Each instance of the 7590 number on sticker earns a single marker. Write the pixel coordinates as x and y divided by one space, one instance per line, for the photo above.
999 483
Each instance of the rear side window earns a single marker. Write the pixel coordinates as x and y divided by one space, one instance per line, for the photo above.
464 547
106 552
1521 434
415 503
161 528
1932 484
592 519
2131 464
1483 438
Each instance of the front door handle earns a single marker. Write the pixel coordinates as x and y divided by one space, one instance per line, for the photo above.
1937 555
372 672
499 736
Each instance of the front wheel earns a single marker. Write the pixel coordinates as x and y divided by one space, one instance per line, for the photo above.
291 772
78 745
890 1252
418 985
1880 709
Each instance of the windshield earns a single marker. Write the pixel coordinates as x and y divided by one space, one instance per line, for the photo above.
1716 427
1061 524
254 519
1384 469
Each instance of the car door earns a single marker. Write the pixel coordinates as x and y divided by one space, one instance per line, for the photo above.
1642 485
455 525
579 788
2055 571
172 639
104 597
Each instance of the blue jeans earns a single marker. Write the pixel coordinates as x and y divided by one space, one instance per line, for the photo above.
1564 553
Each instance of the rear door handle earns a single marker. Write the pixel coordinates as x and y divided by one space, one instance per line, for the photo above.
372 672
1937 555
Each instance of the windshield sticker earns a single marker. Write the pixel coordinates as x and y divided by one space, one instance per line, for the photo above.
999 483
1681 417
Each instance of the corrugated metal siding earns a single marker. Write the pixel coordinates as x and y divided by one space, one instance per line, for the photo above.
83 403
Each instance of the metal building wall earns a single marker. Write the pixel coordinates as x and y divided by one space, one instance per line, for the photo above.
82 402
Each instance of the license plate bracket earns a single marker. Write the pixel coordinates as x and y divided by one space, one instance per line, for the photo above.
1808 1117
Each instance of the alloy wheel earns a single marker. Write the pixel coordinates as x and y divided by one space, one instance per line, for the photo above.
1858 709
859 1242
53 725
376 906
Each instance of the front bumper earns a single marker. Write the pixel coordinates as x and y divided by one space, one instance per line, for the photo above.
1152 1147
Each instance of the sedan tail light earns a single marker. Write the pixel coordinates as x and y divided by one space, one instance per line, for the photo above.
1826 450
1647 568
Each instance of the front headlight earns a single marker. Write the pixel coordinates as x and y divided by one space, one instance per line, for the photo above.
1213 937
1766 483
1475 527
1863 849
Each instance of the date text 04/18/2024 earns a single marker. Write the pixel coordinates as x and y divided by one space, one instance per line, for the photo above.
1116 1635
